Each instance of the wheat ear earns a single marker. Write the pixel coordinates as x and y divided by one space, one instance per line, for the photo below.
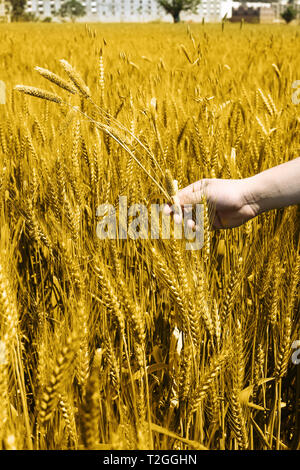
52 77
76 79
38 93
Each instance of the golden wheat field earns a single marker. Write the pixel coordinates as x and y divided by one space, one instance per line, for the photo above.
142 344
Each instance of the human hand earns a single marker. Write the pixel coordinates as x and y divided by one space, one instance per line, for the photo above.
229 199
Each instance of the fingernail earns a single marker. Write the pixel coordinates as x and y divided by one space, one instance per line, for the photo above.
177 219
167 210
190 223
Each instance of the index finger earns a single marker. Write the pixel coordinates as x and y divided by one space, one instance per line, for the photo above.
191 194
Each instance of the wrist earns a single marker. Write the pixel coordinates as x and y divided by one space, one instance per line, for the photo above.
274 188
255 194
266 192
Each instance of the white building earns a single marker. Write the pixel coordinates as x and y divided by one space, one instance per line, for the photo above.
281 6
132 10
4 11
277 7
102 10
212 11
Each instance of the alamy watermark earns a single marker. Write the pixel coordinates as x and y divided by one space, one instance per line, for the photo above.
296 93
141 222
2 92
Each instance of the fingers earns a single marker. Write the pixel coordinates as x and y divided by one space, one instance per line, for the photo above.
167 210
185 214
177 214
191 194
186 198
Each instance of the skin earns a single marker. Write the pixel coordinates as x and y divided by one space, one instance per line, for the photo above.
237 201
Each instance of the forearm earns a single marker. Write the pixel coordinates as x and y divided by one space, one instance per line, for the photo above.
275 188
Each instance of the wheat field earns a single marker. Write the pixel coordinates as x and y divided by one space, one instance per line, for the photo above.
141 344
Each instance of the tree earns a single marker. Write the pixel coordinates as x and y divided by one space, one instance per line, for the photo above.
289 14
71 9
174 7
17 9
